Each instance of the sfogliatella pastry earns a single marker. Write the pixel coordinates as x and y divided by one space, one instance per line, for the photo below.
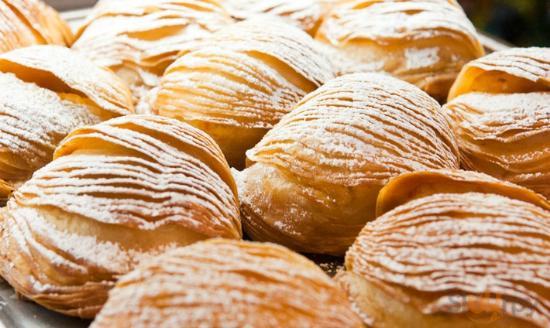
516 70
419 184
240 82
45 93
223 283
423 42
31 22
305 14
116 193
138 39
453 260
313 180
505 135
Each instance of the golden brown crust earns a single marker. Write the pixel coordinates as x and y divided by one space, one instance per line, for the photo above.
513 70
241 81
31 22
446 259
45 93
506 136
414 185
313 180
222 283
423 42
116 193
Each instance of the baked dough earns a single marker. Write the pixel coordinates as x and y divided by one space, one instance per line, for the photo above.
138 39
414 185
240 82
305 14
453 260
423 42
515 70
313 180
45 93
31 22
116 193
223 283
505 135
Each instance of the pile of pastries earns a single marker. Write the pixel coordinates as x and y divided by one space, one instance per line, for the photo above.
165 164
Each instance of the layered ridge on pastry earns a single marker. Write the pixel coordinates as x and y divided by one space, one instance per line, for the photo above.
414 185
305 14
237 84
138 39
505 135
515 70
45 93
116 193
453 260
222 283
423 42
313 180
30 22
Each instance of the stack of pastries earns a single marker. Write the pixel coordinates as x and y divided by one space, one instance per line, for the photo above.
168 168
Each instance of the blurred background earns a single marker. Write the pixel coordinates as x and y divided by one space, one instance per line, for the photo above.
517 22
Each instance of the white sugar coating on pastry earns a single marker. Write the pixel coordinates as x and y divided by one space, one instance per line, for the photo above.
505 135
223 283
238 84
139 39
423 42
513 70
115 194
419 184
453 260
30 22
313 180
305 14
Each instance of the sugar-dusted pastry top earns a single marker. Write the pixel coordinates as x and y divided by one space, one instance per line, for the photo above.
138 39
357 129
305 14
29 22
409 186
448 254
513 70
115 193
46 92
505 135
222 283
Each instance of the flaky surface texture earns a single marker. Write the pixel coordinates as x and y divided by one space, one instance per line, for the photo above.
313 180
222 283
240 82
453 260
138 39
423 42
45 93
115 194
31 22
505 135
515 70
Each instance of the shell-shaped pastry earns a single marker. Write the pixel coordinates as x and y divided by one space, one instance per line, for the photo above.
513 70
45 93
453 260
138 39
240 82
419 184
313 179
31 22
505 135
116 193
305 14
423 42
223 283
